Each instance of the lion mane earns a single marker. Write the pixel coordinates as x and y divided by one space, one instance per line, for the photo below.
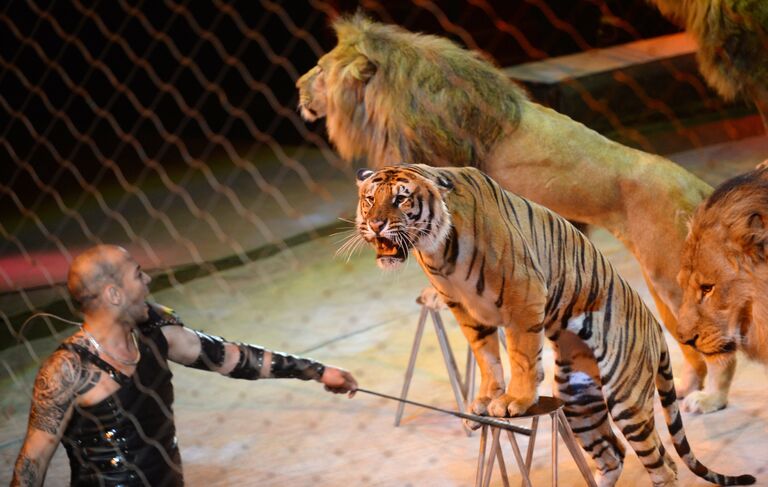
392 96
724 273
733 44
403 107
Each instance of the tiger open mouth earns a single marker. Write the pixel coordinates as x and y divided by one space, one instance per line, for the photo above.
386 249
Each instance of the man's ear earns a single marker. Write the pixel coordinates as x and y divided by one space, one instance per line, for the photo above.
362 175
113 295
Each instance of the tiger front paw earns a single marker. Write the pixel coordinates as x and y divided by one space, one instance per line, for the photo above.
480 406
704 402
507 405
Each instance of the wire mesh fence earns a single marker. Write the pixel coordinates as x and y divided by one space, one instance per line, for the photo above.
171 128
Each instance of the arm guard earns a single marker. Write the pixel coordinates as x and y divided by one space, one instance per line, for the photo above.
211 352
251 365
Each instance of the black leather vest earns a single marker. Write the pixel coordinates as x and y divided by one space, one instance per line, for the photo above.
129 438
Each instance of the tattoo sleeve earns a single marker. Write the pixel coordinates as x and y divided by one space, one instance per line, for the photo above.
59 380
26 472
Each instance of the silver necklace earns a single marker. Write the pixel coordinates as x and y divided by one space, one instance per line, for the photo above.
101 349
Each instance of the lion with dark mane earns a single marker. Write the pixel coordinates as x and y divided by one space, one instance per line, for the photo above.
724 273
733 44
392 96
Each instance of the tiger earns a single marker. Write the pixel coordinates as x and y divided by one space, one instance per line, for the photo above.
499 260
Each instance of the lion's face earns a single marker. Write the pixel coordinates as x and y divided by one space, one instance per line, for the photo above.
399 210
716 307
312 94
338 79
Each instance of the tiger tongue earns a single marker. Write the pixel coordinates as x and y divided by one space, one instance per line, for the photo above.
385 247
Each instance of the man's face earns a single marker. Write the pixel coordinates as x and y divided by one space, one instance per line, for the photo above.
135 289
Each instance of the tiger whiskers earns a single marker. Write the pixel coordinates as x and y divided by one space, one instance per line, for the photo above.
351 240
348 230
351 244
347 220
415 234
403 240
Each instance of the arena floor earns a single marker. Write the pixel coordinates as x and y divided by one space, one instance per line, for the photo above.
348 313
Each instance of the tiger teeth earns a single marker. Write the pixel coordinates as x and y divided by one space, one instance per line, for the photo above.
385 247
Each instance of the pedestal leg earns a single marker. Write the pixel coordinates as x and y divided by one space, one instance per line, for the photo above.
411 364
573 447
450 364
481 456
469 376
491 456
519 459
554 418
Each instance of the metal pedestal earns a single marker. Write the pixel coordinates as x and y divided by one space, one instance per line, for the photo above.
549 406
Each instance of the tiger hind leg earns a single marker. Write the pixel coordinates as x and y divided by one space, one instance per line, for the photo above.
639 429
578 386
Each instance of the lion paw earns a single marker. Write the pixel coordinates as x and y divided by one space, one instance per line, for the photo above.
704 402
430 298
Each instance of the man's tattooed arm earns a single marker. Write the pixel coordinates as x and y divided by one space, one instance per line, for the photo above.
26 472
60 380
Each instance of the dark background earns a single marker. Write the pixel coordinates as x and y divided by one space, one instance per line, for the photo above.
72 59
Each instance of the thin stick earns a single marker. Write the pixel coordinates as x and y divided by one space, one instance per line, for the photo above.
472 417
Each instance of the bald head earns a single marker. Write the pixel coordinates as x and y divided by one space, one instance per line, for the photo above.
93 270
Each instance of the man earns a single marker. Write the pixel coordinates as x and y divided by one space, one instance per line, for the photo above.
106 392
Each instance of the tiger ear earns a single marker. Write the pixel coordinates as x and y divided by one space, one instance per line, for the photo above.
362 175
444 184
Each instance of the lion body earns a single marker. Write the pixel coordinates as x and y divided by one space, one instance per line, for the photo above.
733 44
389 95
499 260
726 250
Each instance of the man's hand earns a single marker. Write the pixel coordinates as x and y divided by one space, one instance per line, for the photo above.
338 381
